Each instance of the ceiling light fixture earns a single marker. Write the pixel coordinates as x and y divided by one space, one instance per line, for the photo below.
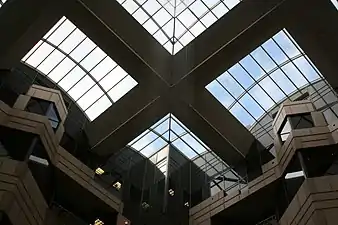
99 171
117 185
294 175
171 192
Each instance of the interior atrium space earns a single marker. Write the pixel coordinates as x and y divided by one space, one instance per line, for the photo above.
170 112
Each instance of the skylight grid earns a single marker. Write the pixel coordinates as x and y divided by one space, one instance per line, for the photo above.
263 79
170 131
2 2
175 23
78 66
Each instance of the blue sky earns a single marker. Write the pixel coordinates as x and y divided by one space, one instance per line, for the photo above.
263 78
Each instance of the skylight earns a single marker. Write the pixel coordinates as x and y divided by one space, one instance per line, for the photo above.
267 76
2 2
175 23
335 3
170 131
78 66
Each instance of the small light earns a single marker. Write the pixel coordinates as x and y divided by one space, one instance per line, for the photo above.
186 204
294 175
126 222
171 192
117 185
145 205
98 222
99 171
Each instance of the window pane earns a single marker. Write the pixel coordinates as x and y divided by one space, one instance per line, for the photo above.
243 116
251 106
80 88
230 84
261 97
61 70
241 75
272 89
122 88
263 59
90 97
284 41
220 94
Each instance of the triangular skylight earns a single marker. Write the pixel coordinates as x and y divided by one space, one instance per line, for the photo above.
271 73
79 67
175 23
169 131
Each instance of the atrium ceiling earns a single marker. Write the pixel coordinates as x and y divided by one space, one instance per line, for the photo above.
123 70
175 23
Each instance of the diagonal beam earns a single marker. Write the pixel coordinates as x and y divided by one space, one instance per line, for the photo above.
130 126
116 116
316 33
210 136
21 33
107 40
217 38
132 34
216 116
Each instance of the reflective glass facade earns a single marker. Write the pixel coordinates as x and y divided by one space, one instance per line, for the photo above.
175 23
260 81
78 66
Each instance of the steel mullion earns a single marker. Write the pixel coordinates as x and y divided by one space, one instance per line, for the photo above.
79 65
247 92
56 47
139 138
151 17
207 150
310 83
193 151
46 38
313 67
236 101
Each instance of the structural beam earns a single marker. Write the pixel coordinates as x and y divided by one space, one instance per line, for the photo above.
203 130
217 38
23 24
316 33
133 35
119 114
131 127
109 41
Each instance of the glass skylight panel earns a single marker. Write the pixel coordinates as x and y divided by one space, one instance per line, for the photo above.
335 3
169 131
78 66
261 80
175 23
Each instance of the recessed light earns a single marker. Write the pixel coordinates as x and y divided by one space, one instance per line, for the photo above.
294 175
171 192
99 171
117 185
98 222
